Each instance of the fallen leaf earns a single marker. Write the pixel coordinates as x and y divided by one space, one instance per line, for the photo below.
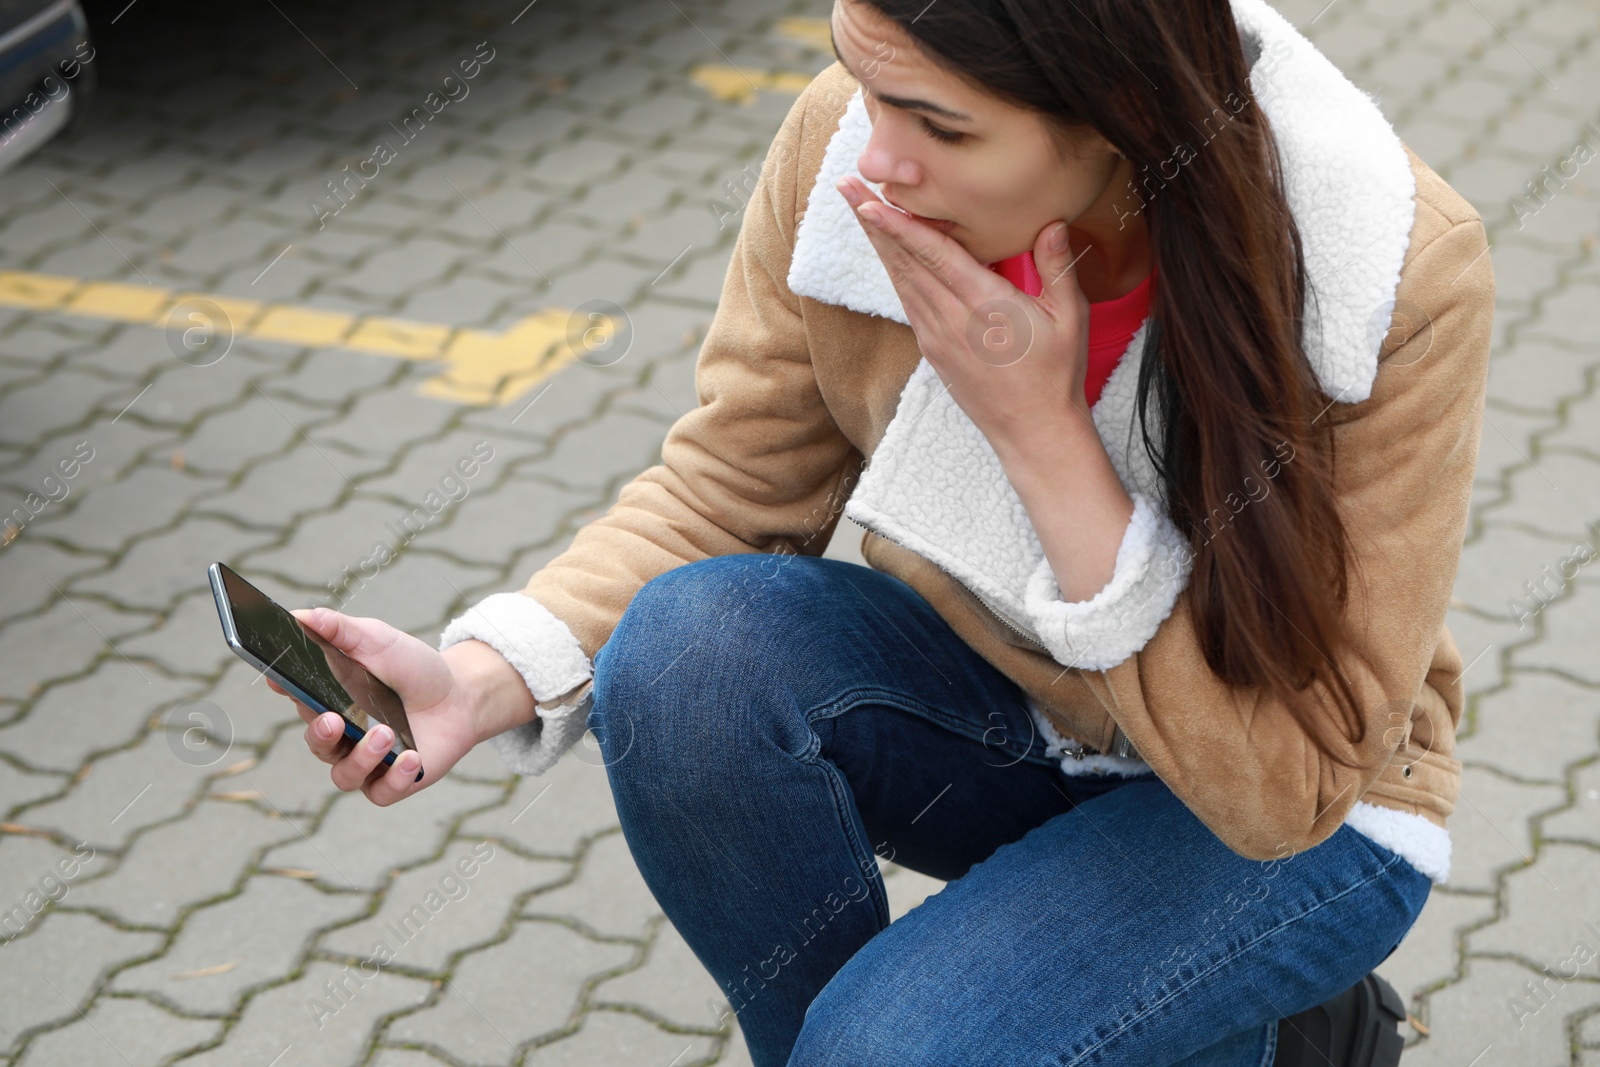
239 794
18 828
242 765
1416 1024
292 872
177 459
207 972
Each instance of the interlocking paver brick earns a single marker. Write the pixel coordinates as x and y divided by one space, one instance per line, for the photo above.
156 570
1532 729
1568 315
521 512
1580 821
64 639
1554 494
525 987
69 721
19 787
32 567
607 277
1528 271
405 1057
435 910
552 814
408 591
246 941
185 862
1577 436
356 844
1553 912
1474 1015
623 1039
608 896
1429 956
140 503
253 713
585 456
671 985
1569 644
1540 375
119 1030
67 398
1495 566
325 1016
1492 815
49 972
36 874
121 793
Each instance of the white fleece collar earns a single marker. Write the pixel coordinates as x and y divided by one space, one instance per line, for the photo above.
1349 185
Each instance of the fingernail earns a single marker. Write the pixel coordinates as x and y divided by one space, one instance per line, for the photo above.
327 727
1058 240
870 213
378 738
409 762
848 191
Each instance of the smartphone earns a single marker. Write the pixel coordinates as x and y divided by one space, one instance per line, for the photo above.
270 639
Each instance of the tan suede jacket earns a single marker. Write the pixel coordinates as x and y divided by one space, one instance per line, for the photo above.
809 368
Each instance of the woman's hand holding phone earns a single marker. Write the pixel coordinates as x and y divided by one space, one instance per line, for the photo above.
438 707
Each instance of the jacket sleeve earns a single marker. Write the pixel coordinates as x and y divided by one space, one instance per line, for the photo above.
758 466
1405 460
1152 568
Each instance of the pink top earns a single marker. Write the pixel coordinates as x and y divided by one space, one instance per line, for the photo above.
1112 323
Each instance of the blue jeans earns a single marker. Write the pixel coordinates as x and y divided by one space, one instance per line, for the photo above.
772 725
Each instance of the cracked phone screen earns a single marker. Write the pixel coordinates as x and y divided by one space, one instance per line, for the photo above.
277 639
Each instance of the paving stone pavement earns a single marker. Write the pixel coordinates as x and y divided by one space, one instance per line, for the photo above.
180 882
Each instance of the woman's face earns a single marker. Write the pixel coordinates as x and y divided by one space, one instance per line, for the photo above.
943 149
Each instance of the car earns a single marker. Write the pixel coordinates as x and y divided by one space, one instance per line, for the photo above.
46 73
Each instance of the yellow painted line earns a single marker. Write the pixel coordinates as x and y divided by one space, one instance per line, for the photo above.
814 32
739 85
477 366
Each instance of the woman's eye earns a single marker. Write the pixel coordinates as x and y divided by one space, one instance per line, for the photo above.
939 133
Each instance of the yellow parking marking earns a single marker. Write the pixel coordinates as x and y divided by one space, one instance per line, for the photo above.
478 366
739 85
814 32
112 301
302 326
397 337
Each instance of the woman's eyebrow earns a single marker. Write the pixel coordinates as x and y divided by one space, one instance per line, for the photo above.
899 101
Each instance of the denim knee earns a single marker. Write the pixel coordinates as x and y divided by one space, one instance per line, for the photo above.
688 663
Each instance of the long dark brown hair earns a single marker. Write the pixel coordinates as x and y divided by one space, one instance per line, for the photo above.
1225 375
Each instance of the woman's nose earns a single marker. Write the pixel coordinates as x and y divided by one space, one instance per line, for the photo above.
882 162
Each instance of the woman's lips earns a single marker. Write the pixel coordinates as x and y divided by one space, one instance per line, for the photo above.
942 225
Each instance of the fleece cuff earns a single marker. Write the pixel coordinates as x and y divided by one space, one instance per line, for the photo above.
1152 569
544 651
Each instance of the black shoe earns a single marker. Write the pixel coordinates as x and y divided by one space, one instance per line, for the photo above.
1358 1028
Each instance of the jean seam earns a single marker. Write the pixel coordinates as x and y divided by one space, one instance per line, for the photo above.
873 695
837 789
1235 954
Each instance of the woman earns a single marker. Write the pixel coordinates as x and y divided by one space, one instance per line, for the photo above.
1163 521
